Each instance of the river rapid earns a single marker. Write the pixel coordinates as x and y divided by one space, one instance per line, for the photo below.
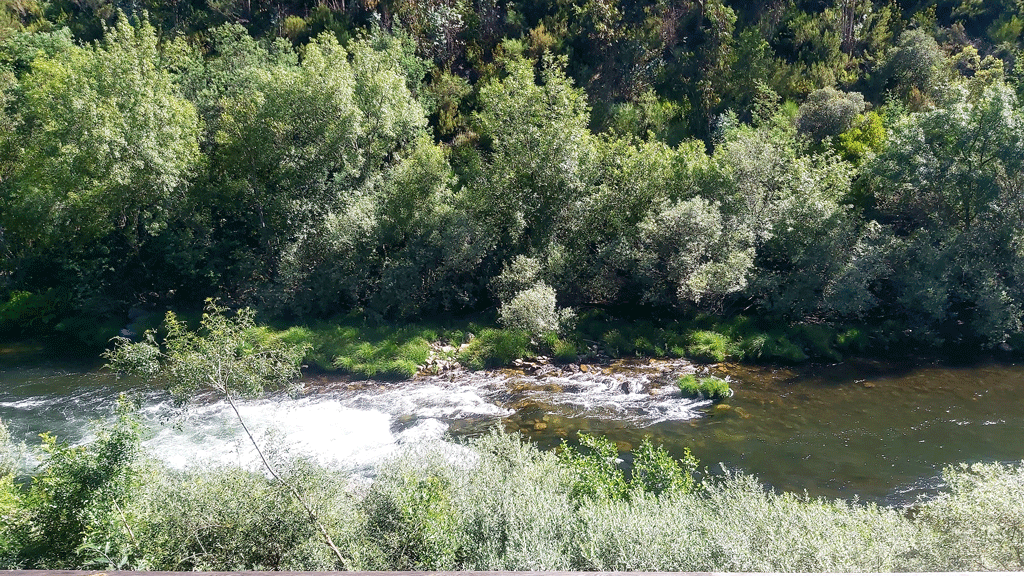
878 431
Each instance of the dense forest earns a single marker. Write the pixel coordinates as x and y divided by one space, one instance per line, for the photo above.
826 162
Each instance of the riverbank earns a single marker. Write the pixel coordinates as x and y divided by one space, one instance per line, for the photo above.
353 346
361 347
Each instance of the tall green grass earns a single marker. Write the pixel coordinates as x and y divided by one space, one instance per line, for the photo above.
346 345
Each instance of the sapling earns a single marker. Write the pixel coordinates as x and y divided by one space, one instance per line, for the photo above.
228 356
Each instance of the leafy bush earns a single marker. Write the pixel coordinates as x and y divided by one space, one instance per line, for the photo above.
79 492
593 470
495 347
498 503
710 388
979 520
31 313
658 473
534 310
708 346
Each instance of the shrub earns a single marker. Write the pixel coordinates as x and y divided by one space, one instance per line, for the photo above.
79 491
980 518
562 350
853 340
494 347
655 471
534 311
31 313
710 388
818 340
707 346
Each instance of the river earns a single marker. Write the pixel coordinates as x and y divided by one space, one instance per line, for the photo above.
875 430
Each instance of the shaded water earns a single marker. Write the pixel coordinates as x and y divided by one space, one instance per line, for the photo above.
880 431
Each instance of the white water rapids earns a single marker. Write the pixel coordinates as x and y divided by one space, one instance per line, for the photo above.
354 424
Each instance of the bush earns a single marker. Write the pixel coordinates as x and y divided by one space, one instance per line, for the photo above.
562 350
980 519
707 346
31 313
533 311
493 348
658 473
710 388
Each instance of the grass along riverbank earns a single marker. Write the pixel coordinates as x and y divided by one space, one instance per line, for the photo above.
362 349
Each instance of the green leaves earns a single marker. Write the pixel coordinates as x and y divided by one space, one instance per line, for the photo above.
229 355
108 144
596 478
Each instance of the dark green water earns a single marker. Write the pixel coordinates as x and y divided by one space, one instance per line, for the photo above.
879 431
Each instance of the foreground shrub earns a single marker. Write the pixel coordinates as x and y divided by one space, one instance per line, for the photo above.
980 518
500 503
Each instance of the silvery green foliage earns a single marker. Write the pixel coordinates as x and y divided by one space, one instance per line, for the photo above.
228 518
979 519
917 62
785 204
516 508
829 112
534 310
500 503
734 525
848 293
519 274
12 454
949 180
687 254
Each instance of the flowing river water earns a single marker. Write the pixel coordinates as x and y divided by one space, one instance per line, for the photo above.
878 431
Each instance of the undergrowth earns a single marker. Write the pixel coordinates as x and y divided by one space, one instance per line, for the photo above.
496 503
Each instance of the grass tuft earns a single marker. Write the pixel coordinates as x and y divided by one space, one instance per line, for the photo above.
710 388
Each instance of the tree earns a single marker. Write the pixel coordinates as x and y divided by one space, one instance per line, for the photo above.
829 112
228 356
540 147
947 167
108 144
949 182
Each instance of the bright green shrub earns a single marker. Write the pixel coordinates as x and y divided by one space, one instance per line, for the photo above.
593 470
852 340
412 519
658 473
710 388
79 491
708 346
492 348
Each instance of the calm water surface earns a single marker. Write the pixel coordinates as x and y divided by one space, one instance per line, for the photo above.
875 430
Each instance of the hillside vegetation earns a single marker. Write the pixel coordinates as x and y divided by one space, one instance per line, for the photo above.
820 165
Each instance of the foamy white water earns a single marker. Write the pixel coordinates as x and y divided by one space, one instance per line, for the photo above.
357 426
